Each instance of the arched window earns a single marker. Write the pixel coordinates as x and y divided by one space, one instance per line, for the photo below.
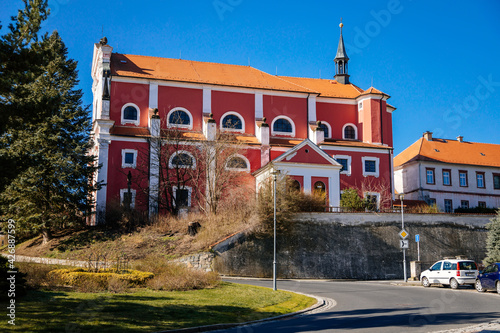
294 186
319 188
350 132
326 129
238 163
130 114
232 121
182 159
283 126
180 117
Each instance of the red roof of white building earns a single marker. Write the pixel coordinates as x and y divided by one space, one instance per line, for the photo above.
450 151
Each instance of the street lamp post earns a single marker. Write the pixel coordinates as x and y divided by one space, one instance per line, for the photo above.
275 176
401 197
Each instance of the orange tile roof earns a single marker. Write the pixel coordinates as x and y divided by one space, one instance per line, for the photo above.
227 75
450 151
129 131
198 72
326 88
284 142
349 143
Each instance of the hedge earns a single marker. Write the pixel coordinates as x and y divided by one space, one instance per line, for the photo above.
79 276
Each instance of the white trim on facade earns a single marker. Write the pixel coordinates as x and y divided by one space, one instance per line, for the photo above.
377 166
335 100
153 95
329 129
122 196
129 165
207 99
130 121
224 129
349 160
174 193
292 134
178 108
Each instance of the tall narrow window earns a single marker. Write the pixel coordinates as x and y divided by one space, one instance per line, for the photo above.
430 176
448 206
496 181
480 179
447 177
463 178
464 204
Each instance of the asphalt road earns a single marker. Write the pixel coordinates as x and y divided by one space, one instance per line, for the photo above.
381 307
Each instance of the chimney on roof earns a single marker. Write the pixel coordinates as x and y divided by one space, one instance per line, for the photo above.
460 138
428 136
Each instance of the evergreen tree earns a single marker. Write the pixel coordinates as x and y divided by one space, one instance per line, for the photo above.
493 240
45 138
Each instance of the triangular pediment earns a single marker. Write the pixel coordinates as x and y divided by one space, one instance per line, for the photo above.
306 152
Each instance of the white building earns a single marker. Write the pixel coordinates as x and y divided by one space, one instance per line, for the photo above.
449 173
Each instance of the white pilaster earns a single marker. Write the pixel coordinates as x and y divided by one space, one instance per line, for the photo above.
153 95
207 101
311 113
154 166
307 184
102 177
259 106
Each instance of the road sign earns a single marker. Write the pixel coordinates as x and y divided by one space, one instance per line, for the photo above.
404 244
417 238
403 234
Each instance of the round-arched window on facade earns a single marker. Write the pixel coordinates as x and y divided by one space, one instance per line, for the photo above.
349 132
179 117
282 125
232 121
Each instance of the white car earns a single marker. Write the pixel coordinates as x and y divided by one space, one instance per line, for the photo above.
452 272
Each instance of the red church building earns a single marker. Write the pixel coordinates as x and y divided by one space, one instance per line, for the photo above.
326 134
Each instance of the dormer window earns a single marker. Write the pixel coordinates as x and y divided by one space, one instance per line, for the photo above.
130 114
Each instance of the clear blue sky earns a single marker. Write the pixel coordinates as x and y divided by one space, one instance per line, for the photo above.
439 60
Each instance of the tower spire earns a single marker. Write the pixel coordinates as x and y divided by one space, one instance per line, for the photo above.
341 60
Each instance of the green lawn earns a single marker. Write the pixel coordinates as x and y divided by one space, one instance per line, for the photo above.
149 311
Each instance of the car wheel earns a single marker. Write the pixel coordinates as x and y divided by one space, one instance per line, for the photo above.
425 282
479 286
453 283
498 287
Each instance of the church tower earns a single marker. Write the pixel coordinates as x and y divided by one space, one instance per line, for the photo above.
341 60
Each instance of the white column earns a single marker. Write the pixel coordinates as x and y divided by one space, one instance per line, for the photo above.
259 106
334 187
102 177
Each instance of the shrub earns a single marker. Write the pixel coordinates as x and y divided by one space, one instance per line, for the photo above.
37 275
80 278
493 240
351 200
174 276
116 285
476 210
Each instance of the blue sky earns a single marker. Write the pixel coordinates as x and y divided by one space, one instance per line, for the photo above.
437 59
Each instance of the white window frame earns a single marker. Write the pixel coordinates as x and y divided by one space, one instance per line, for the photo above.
349 160
128 165
129 121
376 194
247 169
360 105
242 130
355 131
171 166
122 196
292 134
174 192
329 129
377 166
171 125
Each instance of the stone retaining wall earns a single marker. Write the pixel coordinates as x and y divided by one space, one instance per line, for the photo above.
202 261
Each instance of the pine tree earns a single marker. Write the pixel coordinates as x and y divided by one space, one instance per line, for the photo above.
493 240
45 139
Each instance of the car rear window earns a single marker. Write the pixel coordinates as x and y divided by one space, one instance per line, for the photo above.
467 265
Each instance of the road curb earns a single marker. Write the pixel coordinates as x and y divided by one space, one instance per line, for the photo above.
321 305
